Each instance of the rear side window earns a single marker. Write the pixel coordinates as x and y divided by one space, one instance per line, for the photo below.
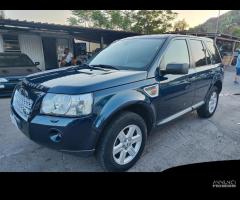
198 53
177 53
15 61
215 55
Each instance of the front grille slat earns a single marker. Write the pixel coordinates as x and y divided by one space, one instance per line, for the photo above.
22 105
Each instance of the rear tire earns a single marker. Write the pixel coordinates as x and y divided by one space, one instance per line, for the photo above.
210 106
122 142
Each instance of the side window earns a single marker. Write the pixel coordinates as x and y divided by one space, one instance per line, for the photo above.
177 52
215 55
198 53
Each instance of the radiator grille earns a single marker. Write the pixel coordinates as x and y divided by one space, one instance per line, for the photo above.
22 104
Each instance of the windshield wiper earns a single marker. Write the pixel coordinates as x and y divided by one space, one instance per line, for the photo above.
85 65
104 66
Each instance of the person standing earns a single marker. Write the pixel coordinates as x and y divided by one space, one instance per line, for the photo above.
237 69
67 58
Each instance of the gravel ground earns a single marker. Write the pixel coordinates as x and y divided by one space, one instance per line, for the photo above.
186 140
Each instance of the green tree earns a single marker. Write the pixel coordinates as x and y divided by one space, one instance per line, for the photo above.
141 21
153 21
99 19
109 19
180 25
81 17
236 31
127 20
120 19
72 21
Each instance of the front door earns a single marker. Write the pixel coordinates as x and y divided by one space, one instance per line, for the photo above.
176 91
50 52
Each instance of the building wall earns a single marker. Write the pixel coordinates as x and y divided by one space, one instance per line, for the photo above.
32 46
93 46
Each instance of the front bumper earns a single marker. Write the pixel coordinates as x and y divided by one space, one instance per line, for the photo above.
72 135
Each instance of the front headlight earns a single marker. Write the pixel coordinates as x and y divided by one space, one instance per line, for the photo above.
3 80
67 105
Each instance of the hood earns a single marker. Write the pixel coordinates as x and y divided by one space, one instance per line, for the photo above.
77 80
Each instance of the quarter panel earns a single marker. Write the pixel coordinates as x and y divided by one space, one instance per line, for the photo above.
204 80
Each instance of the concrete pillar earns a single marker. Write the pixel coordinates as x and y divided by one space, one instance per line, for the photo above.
101 42
234 44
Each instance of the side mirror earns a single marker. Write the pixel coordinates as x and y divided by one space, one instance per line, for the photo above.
37 63
174 68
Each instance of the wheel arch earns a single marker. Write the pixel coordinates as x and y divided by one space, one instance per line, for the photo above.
143 109
218 84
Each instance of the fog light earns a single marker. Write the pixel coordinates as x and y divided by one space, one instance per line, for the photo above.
55 136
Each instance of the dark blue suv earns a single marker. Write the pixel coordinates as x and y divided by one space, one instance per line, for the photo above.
109 105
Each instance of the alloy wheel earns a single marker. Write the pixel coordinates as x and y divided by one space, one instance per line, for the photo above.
127 144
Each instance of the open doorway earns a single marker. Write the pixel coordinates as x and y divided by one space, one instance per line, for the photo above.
50 52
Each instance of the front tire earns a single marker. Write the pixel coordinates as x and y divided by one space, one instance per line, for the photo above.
210 106
122 143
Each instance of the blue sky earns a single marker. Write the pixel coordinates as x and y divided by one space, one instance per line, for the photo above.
193 17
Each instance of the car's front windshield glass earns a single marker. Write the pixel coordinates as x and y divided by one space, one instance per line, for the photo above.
136 53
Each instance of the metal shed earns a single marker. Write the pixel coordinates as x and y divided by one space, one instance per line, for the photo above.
43 41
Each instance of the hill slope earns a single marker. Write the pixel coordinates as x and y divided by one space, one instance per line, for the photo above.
229 23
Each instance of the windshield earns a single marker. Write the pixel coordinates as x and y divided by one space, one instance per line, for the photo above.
15 61
129 53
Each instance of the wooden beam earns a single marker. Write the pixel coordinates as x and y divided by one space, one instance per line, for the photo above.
101 42
226 39
234 44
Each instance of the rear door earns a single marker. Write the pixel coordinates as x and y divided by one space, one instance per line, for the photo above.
204 69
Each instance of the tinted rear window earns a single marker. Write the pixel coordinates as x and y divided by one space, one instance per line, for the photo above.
15 61
198 53
215 55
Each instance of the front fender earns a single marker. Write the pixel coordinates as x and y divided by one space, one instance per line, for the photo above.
111 104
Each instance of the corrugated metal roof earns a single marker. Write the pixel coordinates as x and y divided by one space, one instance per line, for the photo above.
89 34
